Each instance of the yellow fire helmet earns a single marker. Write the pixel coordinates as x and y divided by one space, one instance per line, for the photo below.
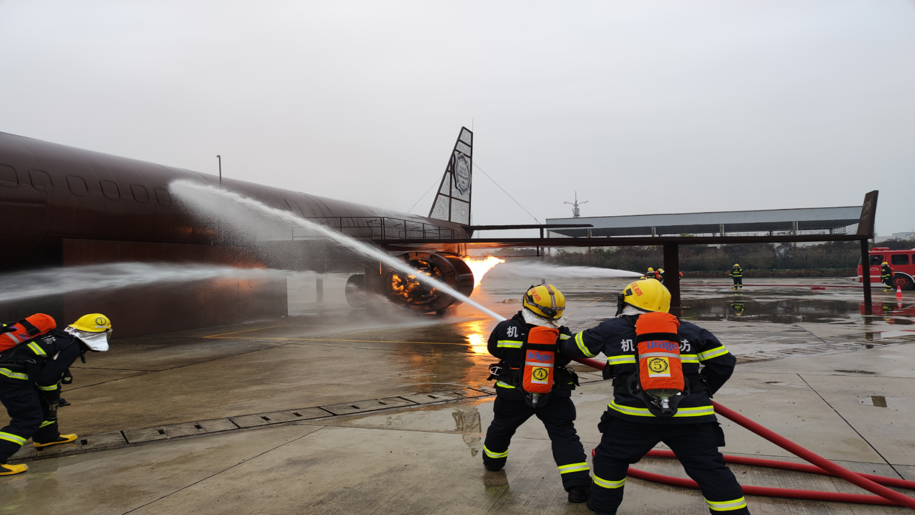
545 300
93 329
884 262
650 269
646 295
736 265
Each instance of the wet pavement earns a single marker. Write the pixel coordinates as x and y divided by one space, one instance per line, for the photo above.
392 408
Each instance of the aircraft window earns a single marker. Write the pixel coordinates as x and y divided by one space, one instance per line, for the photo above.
41 181
139 193
899 259
876 259
110 190
162 196
77 185
8 177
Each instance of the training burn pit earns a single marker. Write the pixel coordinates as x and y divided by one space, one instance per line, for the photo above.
405 289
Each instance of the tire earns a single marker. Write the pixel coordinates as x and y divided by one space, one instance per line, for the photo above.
903 281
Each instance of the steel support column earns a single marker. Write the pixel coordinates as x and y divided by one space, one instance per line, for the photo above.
672 273
866 277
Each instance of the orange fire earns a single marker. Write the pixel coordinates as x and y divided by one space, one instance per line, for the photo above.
479 267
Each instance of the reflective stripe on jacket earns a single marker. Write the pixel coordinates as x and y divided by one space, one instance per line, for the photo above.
701 353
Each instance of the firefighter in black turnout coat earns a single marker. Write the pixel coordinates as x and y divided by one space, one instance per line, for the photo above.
30 376
542 307
886 275
630 429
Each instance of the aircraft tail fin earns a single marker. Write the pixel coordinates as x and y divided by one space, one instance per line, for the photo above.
452 202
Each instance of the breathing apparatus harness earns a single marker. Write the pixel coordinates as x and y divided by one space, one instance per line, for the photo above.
659 380
15 360
538 374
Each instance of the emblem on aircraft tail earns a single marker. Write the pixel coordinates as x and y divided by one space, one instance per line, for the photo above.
461 173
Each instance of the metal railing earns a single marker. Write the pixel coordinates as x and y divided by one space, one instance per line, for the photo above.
381 228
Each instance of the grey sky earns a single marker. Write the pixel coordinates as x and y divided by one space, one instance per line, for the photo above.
642 107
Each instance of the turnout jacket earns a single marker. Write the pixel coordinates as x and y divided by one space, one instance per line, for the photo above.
736 272
47 357
886 272
615 338
505 343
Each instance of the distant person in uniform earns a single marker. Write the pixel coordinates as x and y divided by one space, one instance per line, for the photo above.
542 307
886 275
736 274
30 376
631 426
661 275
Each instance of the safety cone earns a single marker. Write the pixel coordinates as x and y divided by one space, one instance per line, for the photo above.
898 294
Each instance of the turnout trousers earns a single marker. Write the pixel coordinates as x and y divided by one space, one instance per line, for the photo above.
558 417
696 446
27 417
738 282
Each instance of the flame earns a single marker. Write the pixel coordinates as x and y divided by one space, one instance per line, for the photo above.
479 267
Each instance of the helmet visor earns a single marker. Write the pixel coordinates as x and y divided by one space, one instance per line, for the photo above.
97 342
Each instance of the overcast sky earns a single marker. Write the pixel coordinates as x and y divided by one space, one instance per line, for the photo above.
641 107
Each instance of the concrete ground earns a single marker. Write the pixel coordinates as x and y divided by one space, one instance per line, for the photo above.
336 412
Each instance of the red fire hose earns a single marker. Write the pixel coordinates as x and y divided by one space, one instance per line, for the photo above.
868 482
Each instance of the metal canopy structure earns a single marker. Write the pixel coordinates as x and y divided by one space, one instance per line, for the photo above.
865 231
828 220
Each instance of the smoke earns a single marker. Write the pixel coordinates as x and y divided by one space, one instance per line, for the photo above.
530 269
38 283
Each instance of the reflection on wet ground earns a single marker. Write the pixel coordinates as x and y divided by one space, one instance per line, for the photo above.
334 353
770 300
768 308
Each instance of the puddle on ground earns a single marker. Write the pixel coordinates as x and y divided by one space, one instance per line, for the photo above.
761 308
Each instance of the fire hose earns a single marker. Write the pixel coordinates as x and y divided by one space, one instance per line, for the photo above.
884 496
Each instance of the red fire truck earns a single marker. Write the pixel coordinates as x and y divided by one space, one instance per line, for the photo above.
901 261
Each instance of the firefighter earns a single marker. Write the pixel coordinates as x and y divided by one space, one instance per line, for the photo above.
886 275
652 274
630 429
660 275
30 376
736 274
542 306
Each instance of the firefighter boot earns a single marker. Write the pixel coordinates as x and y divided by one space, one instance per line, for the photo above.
9 470
599 512
60 440
579 494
